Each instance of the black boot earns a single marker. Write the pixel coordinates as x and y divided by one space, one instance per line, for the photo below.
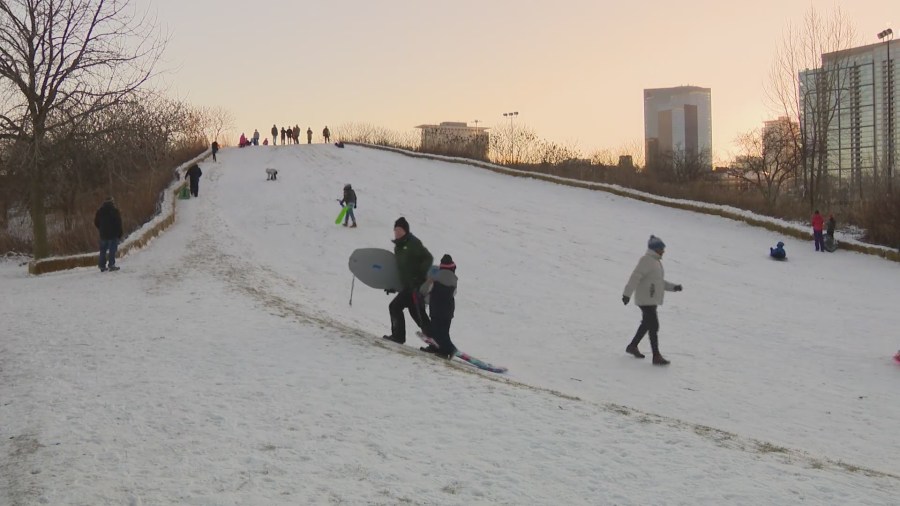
659 360
633 349
394 339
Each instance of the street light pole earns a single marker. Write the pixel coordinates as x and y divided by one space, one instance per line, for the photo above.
512 145
887 36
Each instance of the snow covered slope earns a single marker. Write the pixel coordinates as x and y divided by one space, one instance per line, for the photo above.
223 364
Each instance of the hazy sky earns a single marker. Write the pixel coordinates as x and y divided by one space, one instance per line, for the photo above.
573 69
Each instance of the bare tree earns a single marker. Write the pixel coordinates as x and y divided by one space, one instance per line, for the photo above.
61 62
809 97
216 121
552 153
681 165
610 157
768 159
513 144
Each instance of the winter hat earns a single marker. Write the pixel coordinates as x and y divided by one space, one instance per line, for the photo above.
402 223
447 263
780 244
655 243
347 186
111 200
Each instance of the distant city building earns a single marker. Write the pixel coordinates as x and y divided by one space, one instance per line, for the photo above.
848 97
455 139
779 137
783 126
677 121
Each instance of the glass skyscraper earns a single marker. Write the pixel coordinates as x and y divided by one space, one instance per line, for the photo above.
850 104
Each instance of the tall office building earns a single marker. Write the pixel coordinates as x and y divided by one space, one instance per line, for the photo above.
677 120
851 101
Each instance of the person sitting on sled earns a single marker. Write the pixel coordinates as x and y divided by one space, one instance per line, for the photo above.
778 252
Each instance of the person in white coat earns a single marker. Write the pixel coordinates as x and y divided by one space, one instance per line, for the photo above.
648 284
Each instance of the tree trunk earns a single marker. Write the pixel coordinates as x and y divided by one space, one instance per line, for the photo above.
40 246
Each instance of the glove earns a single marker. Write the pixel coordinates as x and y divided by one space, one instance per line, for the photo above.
389 291
677 288
625 299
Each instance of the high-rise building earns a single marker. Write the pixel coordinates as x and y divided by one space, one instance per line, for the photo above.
677 121
849 107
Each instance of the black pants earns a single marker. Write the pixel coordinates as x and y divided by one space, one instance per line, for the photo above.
195 186
649 323
407 299
214 156
440 332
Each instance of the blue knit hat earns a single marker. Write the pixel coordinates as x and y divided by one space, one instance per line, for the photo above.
655 243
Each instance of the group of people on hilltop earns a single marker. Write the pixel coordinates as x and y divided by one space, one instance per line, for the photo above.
823 237
289 135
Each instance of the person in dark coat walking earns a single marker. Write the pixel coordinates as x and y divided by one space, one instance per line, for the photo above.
309 135
413 262
648 285
108 221
442 304
275 136
215 149
327 134
194 174
349 201
283 131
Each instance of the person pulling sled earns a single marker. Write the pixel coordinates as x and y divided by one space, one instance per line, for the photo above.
440 295
349 201
413 263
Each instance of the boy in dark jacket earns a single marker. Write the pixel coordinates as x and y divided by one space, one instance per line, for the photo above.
108 221
349 200
442 301
215 149
413 262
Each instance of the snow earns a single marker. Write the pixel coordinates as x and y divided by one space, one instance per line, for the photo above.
850 234
223 364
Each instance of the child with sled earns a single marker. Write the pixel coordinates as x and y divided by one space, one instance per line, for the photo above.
440 293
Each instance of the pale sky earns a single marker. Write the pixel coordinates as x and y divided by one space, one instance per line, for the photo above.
575 70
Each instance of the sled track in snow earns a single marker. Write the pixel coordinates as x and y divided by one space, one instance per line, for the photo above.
263 285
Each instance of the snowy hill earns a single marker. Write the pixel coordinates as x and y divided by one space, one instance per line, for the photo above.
223 364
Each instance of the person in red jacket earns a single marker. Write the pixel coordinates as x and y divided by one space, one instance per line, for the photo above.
818 223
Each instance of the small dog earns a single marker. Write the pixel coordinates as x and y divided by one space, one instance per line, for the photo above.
271 175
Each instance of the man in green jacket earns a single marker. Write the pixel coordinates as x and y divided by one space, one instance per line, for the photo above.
413 262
